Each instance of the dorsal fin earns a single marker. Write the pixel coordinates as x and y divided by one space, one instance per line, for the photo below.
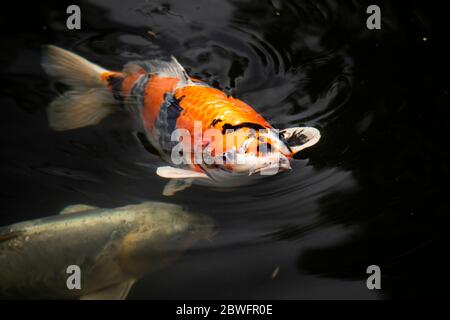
76 208
170 69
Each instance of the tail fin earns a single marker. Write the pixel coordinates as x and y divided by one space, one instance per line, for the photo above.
88 101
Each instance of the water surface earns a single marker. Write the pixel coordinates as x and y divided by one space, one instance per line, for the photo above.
368 193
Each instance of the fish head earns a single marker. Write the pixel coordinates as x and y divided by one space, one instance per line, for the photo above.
163 236
249 151
187 229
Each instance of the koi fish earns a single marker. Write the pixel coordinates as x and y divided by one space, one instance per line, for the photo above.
231 138
112 248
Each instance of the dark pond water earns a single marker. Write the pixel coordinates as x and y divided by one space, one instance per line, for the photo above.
369 193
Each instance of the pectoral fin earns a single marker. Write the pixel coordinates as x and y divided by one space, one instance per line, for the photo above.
116 292
300 138
177 173
175 185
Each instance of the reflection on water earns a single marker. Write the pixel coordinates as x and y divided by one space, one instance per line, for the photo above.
366 194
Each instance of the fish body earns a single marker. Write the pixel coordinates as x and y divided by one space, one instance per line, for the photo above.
198 129
112 247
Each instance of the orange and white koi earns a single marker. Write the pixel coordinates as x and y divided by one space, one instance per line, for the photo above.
231 137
